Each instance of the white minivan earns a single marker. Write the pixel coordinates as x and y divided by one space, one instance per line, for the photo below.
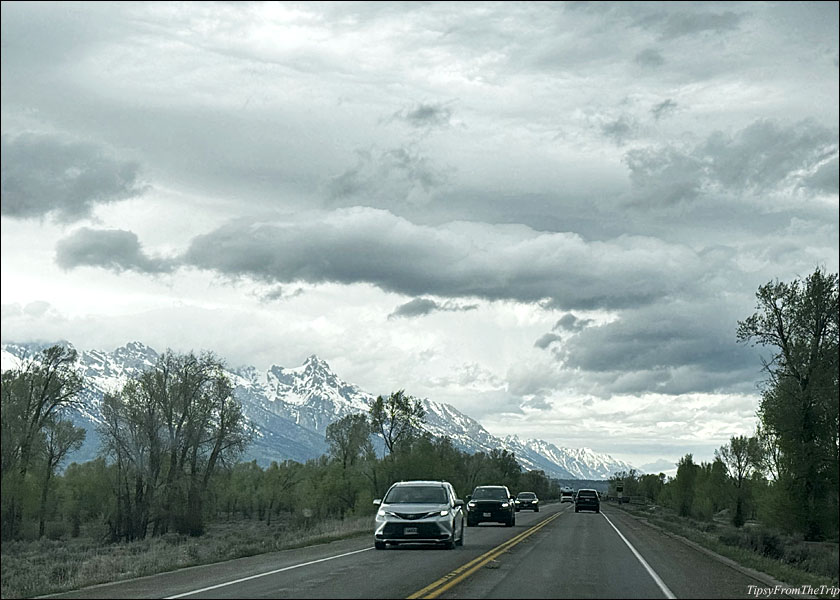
419 512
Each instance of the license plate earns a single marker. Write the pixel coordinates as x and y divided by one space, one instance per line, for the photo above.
486 514
410 531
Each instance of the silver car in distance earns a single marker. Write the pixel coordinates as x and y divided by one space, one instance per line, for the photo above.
419 512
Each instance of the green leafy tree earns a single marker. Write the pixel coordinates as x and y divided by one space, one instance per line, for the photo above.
503 469
88 492
397 418
349 439
650 486
741 456
798 321
685 485
31 397
167 431
535 481
61 437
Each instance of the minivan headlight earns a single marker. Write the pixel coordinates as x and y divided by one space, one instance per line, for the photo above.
504 504
443 513
471 504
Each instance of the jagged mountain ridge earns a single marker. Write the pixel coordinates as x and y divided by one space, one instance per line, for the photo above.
289 410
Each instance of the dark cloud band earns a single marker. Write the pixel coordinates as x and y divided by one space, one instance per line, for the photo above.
114 250
43 174
458 260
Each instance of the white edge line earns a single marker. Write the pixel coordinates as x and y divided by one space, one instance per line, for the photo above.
311 562
656 578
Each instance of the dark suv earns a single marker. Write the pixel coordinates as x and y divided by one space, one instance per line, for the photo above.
527 501
587 500
491 503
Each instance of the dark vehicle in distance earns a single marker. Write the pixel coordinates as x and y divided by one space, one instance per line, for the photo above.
491 503
587 500
527 501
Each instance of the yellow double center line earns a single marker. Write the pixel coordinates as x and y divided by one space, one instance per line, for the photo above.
458 575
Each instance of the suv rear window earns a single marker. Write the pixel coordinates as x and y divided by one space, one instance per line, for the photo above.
587 494
490 494
416 494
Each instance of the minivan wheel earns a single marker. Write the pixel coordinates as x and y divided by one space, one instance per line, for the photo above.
379 545
460 541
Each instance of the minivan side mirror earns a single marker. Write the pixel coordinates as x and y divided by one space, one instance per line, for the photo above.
378 501
459 502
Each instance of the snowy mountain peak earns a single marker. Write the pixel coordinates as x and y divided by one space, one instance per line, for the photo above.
290 408
136 355
314 363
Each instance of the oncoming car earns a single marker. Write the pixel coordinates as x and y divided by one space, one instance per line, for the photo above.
491 503
587 500
527 501
419 512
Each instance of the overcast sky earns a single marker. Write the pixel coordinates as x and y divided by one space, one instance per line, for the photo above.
550 215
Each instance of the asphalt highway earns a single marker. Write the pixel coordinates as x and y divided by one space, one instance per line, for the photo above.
555 553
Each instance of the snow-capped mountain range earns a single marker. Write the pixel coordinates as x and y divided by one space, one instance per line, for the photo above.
289 410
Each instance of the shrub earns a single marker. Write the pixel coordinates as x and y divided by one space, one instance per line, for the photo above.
763 541
173 539
55 530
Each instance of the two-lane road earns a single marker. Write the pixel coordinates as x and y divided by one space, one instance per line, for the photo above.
555 553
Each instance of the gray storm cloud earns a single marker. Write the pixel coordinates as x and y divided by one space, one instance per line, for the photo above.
113 250
546 340
670 347
44 174
761 157
621 130
663 109
393 175
570 322
650 58
419 307
457 260
425 115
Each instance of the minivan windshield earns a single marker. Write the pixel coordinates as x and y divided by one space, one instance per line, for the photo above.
490 493
416 494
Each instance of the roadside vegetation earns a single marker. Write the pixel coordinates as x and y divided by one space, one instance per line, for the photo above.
770 500
44 566
169 486
787 557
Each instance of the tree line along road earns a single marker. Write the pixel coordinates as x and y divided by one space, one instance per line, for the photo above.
555 553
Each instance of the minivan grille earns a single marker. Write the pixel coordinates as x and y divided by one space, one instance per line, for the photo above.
411 516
